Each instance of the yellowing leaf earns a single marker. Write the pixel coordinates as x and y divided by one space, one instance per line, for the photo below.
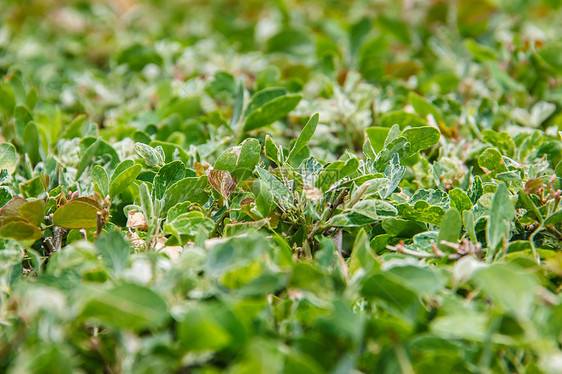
33 211
19 230
76 215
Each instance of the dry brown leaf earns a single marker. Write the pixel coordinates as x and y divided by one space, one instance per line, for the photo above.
136 220
313 193
135 240
173 252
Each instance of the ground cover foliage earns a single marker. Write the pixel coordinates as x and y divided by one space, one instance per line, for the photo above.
280 186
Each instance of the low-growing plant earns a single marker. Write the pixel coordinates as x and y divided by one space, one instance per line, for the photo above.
301 188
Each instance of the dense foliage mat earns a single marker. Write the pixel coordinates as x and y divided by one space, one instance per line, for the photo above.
280 186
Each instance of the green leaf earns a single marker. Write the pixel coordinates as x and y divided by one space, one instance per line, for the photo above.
147 203
8 157
421 138
265 201
291 40
167 176
501 215
5 196
432 197
377 136
512 288
127 306
480 52
282 194
370 63
357 33
375 209
502 141
402 119
222 86
394 172
188 189
422 211
424 107
101 179
491 159
450 229
268 77
399 146
46 359
7 100
503 79
200 330
238 105
32 142
558 170
31 98
476 190
188 225
468 221
335 172
152 156
460 200
264 96
462 325
98 148
74 128
363 213
530 206
271 111
304 136
375 187
402 228
272 151
393 134
121 167
178 210
124 180
22 117
554 218
422 279
352 219
240 161
392 290
76 215
361 255
114 250
473 16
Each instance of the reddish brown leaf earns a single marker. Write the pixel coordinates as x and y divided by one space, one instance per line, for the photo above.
534 186
11 208
222 182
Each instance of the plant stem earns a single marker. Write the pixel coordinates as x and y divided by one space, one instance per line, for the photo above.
328 214
532 241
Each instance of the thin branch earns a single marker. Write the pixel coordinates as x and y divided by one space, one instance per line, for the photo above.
401 249
329 213
100 224
358 196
